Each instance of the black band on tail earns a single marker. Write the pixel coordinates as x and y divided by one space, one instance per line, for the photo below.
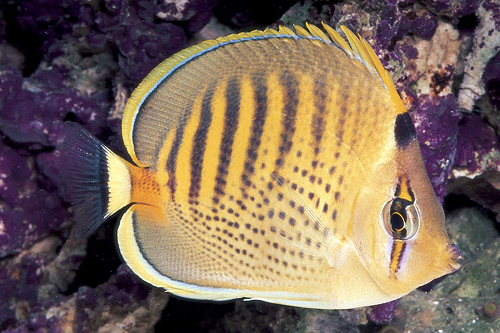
85 175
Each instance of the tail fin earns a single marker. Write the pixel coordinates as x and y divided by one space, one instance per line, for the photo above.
97 180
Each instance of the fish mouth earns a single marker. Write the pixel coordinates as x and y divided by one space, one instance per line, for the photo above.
454 254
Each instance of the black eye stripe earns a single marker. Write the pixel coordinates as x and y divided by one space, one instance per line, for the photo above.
403 189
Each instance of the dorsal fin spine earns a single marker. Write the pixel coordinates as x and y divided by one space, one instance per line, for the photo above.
338 40
315 31
301 31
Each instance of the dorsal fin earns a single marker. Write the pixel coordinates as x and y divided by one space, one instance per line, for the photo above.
359 51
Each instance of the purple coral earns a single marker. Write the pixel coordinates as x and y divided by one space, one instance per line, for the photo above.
35 108
436 120
475 138
383 313
141 39
27 211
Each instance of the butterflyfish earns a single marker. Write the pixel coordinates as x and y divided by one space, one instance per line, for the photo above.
274 165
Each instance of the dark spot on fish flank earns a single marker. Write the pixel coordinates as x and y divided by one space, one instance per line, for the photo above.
279 180
295 169
261 217
310 195
270 186
280 196
312 179
314 164
301 190
308 241
337 154
272 228
281 215
404 130
275 245
306 223
292 222
248 225
334 215
298 153
332 170
245 180
293 186
341 179
279 162
301 209
255 230
304 172
325 208
337 196
266 201
317 203
249 165
270 213
327 188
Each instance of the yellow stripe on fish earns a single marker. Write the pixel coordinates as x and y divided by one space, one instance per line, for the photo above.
268 165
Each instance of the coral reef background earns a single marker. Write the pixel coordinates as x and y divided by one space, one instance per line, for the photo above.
80 60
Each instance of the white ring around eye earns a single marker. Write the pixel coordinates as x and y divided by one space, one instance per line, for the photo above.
412 223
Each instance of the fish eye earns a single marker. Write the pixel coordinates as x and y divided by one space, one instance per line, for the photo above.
400 218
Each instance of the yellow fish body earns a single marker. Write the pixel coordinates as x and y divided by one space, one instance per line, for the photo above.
272 165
